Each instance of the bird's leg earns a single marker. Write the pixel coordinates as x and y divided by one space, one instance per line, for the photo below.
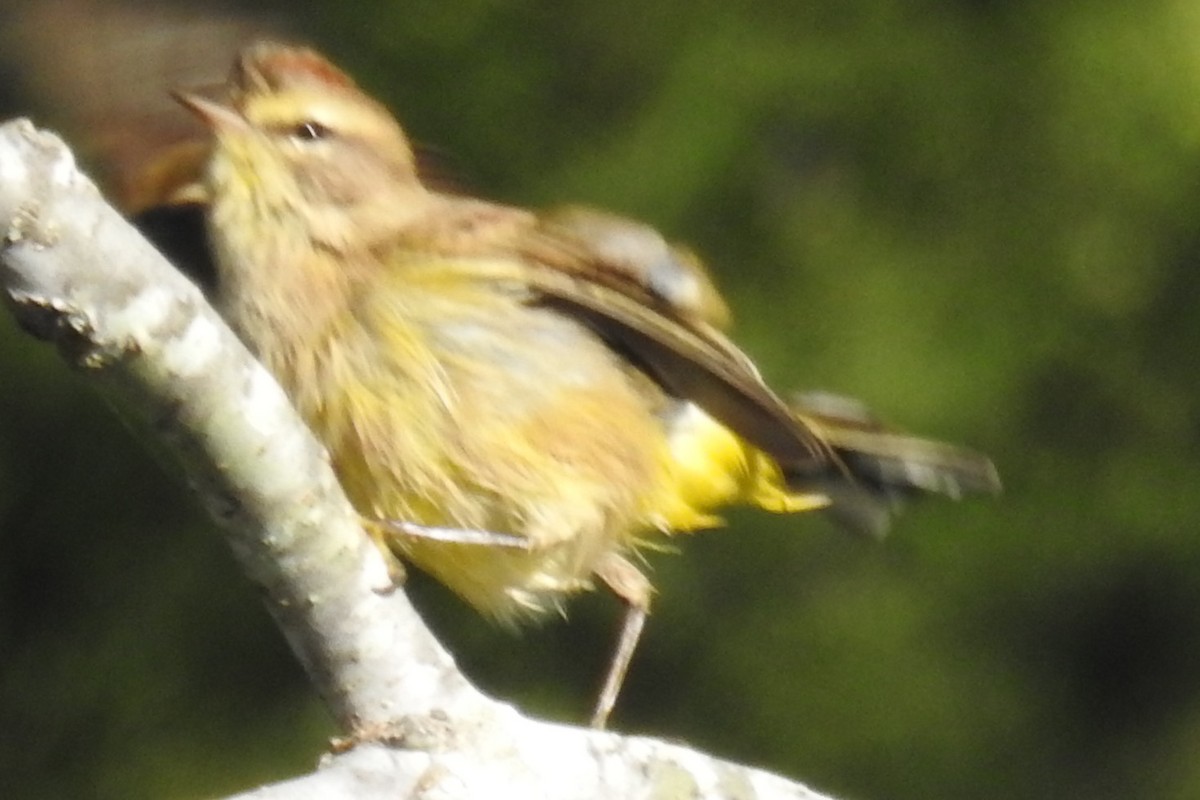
452 535
629 584
381 529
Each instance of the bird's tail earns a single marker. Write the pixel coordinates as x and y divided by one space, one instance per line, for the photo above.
872 469
865 475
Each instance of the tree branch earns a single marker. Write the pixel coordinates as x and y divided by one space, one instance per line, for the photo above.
77 274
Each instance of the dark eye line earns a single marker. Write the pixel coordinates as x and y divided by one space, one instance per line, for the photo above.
306 131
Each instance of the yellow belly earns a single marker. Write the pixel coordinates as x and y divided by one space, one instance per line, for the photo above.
449 401
480 412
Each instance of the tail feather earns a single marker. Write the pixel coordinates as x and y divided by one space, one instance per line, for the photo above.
874 469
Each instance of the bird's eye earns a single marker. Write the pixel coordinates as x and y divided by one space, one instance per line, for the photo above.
310 131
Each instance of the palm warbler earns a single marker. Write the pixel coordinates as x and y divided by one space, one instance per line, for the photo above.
513 401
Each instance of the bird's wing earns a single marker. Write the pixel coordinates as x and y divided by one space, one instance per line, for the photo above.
654 303
642 295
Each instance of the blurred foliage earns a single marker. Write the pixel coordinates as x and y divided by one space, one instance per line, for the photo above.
977 216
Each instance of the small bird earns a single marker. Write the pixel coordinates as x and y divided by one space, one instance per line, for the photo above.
513 401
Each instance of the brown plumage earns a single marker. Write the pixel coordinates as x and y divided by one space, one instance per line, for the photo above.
513 401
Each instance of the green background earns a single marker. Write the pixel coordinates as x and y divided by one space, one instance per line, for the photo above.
980 217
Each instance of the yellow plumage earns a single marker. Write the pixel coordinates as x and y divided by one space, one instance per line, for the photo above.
558 382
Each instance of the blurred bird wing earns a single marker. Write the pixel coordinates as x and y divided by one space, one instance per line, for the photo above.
598 268
689 358
650 300
633 251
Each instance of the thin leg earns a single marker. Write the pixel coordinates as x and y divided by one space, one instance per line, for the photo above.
453 535
382 529
634 588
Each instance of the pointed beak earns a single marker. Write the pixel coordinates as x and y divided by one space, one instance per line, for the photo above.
217 116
